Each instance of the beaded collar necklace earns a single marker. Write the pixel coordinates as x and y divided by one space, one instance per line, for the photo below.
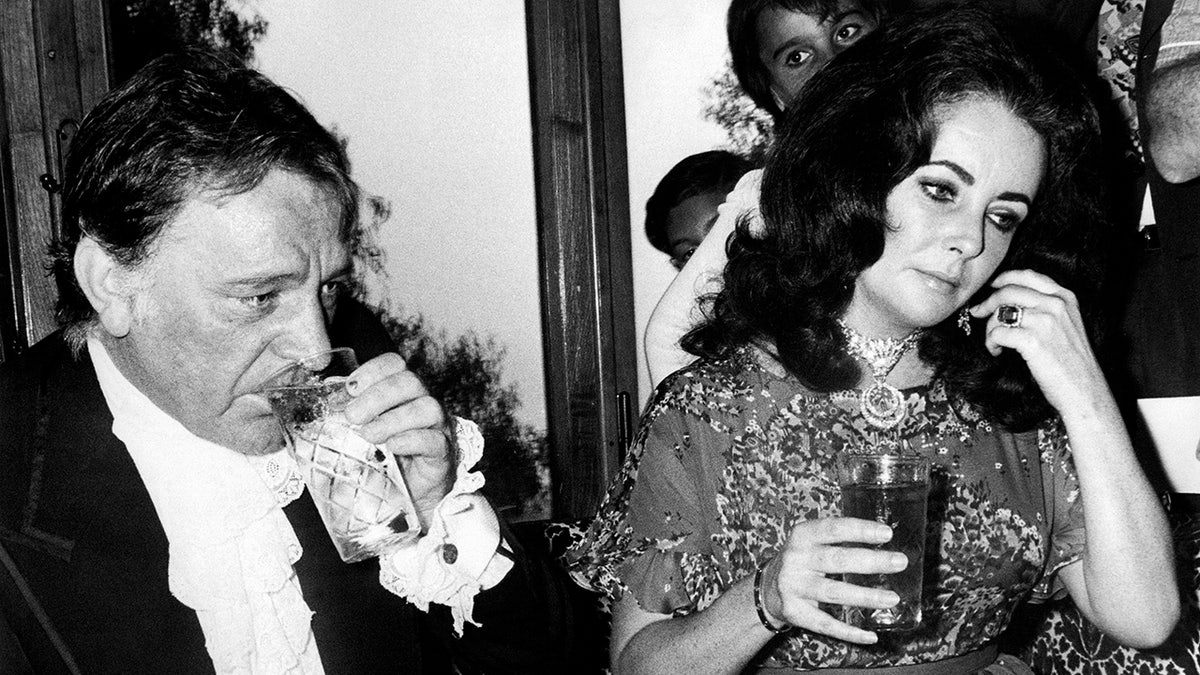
882 404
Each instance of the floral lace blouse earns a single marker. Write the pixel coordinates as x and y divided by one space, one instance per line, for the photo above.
732 453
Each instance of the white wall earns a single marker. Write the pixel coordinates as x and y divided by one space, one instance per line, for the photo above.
672 49
434 97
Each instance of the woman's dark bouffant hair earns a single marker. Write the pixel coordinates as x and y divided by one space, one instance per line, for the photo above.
868 121
741 28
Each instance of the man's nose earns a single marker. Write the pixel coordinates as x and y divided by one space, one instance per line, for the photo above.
308 332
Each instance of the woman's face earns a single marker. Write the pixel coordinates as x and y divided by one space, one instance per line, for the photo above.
951 221
793 45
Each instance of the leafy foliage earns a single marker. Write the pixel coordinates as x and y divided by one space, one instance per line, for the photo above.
465 374
144 29
749 127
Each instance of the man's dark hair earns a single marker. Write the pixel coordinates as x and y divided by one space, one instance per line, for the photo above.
185 123
867 121
698 174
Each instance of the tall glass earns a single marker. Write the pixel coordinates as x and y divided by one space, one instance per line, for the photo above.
894 491
356 485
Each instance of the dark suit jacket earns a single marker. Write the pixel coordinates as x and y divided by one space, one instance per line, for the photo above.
78 522
1162 322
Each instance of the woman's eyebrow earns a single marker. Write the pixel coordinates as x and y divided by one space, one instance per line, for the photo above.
1015 197
962 173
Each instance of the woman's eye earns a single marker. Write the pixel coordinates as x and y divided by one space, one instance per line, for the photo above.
796 58
939 192
1005 221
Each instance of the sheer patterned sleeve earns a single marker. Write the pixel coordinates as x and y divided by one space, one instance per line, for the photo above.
1067 534
657 511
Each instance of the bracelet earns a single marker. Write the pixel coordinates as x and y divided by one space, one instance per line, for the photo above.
758 601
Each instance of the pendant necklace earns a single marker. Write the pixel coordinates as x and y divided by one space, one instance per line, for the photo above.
882 404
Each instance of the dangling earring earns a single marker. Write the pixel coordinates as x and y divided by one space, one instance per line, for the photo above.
964 321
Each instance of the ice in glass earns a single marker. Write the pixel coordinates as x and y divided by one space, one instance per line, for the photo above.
356 485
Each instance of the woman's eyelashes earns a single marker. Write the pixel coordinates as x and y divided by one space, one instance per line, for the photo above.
1005 220
939 191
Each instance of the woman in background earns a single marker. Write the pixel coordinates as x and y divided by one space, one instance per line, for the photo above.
922 284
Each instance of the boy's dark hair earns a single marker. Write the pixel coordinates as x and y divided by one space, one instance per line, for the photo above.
701 173
741 29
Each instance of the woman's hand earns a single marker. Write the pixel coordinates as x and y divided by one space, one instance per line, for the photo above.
798 579
1050 336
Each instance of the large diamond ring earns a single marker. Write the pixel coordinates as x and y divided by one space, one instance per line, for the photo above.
1010 315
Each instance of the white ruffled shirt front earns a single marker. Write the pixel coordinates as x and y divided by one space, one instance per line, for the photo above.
232 549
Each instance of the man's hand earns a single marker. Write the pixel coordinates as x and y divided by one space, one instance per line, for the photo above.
1171 97
396 411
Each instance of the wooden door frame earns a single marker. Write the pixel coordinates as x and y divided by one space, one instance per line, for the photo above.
53 69
582 184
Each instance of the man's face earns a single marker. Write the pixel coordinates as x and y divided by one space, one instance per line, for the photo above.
235 287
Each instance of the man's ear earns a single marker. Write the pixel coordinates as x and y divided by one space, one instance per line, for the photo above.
106 284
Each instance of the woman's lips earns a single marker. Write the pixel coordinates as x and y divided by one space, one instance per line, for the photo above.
941 283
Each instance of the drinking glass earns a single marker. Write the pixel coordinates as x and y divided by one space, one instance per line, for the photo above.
894 491
356 485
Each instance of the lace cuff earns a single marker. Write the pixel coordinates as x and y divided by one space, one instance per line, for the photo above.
457 556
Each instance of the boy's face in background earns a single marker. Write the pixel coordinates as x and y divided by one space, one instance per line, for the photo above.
689 222
794 46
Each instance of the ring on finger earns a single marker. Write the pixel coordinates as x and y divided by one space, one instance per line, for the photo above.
1010 315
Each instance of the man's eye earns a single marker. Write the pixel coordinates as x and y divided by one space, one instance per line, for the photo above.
939 192
848 32
796 58
260 301
333 288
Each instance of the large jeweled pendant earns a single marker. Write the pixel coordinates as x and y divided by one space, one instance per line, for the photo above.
882 405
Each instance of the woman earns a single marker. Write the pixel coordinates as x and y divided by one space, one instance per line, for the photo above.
776 47
929 239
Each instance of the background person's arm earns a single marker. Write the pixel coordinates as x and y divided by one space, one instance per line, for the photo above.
677 312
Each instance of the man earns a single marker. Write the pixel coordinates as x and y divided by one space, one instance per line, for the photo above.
149 518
